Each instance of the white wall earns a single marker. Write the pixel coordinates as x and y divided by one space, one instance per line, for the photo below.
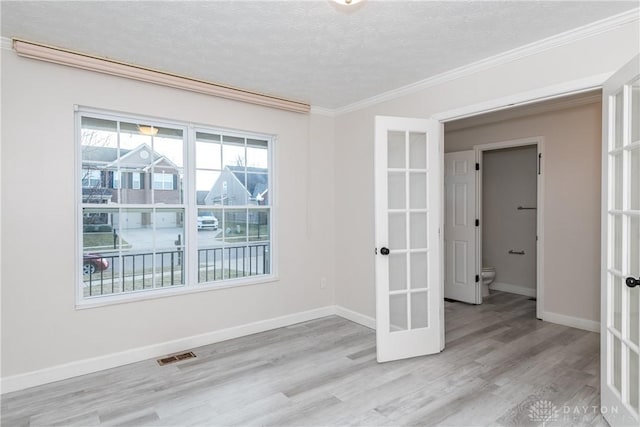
509 180
602 53
40 326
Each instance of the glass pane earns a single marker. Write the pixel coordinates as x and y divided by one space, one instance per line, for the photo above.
239 261
235 226
208 154
397 231
419 310
617 175
418 231
231 187
418 150
396 155
169 243
257 156
233 152
418 190
396 190
398 271
258 221
634 379
256 259
617 303
397 313
257 186
618 121
617 364
634 246
634 317
135 227
635 111
617 241
634 201
100 247
419 270
99 151
210 242
209 188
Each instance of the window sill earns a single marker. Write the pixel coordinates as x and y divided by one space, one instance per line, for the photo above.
169 292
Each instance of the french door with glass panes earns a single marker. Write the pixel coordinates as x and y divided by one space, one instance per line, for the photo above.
620 353
409 301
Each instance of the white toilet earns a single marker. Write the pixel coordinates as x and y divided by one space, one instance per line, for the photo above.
488 276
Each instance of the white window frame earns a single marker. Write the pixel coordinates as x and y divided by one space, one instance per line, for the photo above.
164 181
191 284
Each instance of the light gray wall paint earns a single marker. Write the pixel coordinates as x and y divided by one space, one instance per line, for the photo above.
509 180
571 168
40 326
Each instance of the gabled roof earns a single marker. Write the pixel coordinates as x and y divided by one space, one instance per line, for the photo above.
257 179
101 154
109 155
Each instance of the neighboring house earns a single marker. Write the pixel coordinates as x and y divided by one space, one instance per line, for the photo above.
131 178
238 185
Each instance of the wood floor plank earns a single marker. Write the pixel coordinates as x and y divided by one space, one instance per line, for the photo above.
498 362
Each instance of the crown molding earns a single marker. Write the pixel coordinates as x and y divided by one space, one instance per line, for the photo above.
84 61
557 104
530 49
322 111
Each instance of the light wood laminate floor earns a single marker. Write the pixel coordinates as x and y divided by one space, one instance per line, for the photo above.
498 361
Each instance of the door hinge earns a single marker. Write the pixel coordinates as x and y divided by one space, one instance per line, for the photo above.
477 166
477 278
477 223
540 164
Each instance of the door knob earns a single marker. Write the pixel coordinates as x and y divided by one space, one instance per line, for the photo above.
384 251
632 283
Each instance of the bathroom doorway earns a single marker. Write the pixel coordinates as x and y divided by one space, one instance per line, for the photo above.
493 221
509 209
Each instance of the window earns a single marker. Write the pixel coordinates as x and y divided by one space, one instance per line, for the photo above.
91 178
199 222
135 181
116 179
163 181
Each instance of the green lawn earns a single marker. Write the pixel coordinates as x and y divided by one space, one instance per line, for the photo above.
101 241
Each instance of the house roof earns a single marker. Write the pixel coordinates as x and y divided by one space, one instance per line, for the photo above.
109 155
200 197
101 154
257 181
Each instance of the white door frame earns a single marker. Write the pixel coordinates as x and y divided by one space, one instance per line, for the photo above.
571 87
538 141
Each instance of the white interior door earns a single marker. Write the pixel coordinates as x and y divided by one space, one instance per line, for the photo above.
461 271
620 361
409 300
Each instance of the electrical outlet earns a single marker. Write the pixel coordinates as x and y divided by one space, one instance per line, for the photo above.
323 283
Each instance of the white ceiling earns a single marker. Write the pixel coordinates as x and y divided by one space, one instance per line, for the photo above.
311 51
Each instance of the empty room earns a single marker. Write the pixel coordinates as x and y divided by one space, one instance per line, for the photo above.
320 213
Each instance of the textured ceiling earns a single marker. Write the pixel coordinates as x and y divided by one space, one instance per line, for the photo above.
311 51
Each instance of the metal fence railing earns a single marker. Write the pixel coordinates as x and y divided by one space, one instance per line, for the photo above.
131 272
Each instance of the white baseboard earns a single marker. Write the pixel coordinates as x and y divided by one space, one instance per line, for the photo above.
356 317
513 289
574 322
95 364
